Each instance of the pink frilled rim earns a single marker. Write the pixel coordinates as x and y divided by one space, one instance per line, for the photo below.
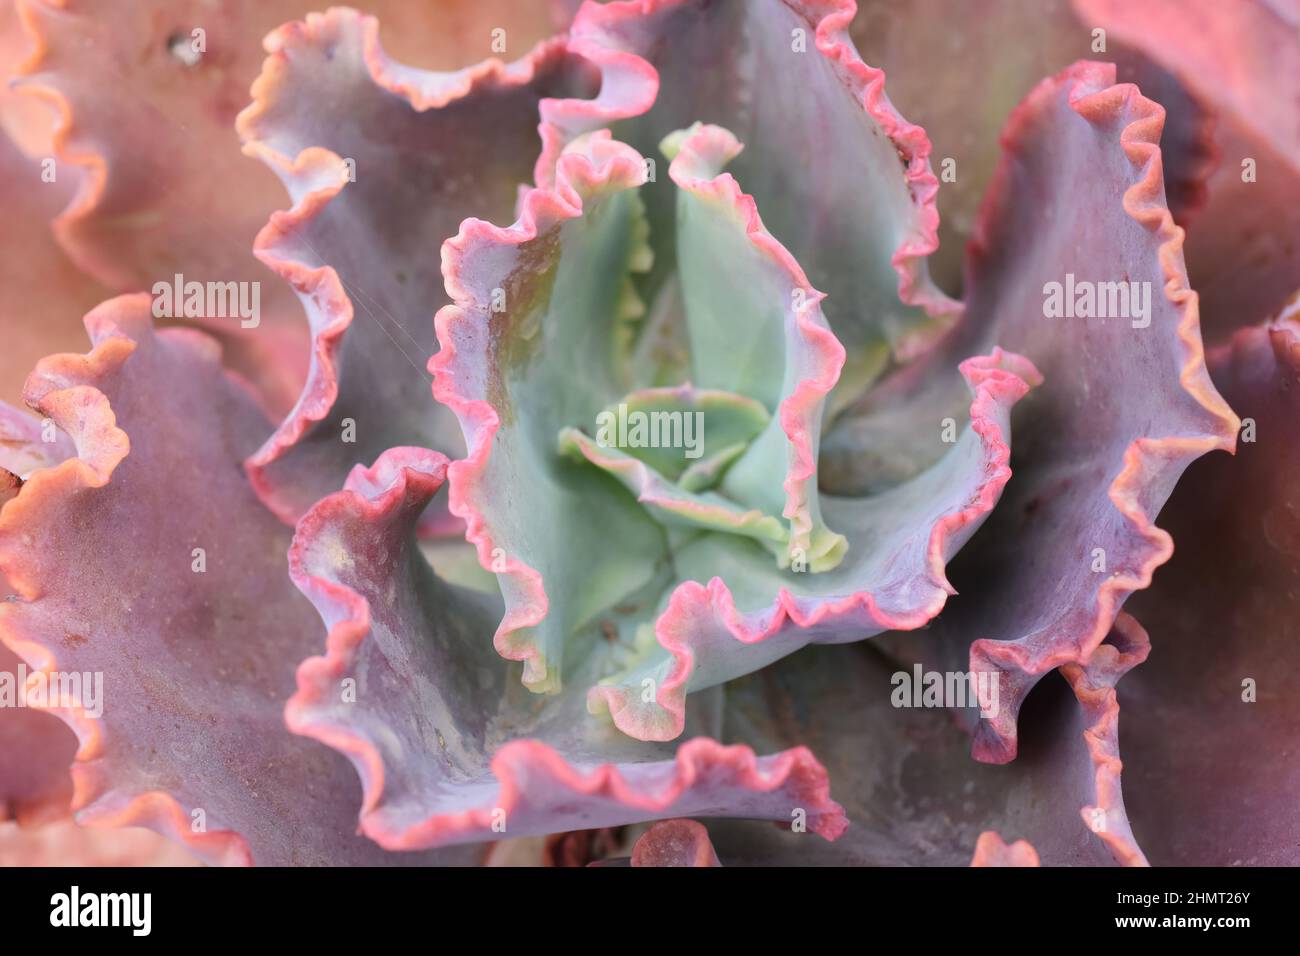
58 390
534 778
1239 56
315 177
93 166
602 164
696 170
1149 463
82 602
630 85
1093 684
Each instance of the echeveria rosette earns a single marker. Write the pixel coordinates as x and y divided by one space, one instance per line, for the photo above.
623 289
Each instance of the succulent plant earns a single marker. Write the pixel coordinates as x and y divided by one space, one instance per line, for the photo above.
637 371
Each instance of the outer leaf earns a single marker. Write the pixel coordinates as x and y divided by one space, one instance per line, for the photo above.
425 150
908 784
1242 59
959 67
1211 772
99 555
1242 254
1080 191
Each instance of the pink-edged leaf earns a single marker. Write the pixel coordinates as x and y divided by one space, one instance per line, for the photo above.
951 69
1127 404
903 771
1242 59
675 843
507 374
734 326
196 648
450 748
382 162
1209 767
750 613
844 181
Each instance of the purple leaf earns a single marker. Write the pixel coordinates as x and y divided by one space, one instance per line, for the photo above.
1127 403
147 560
377 185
